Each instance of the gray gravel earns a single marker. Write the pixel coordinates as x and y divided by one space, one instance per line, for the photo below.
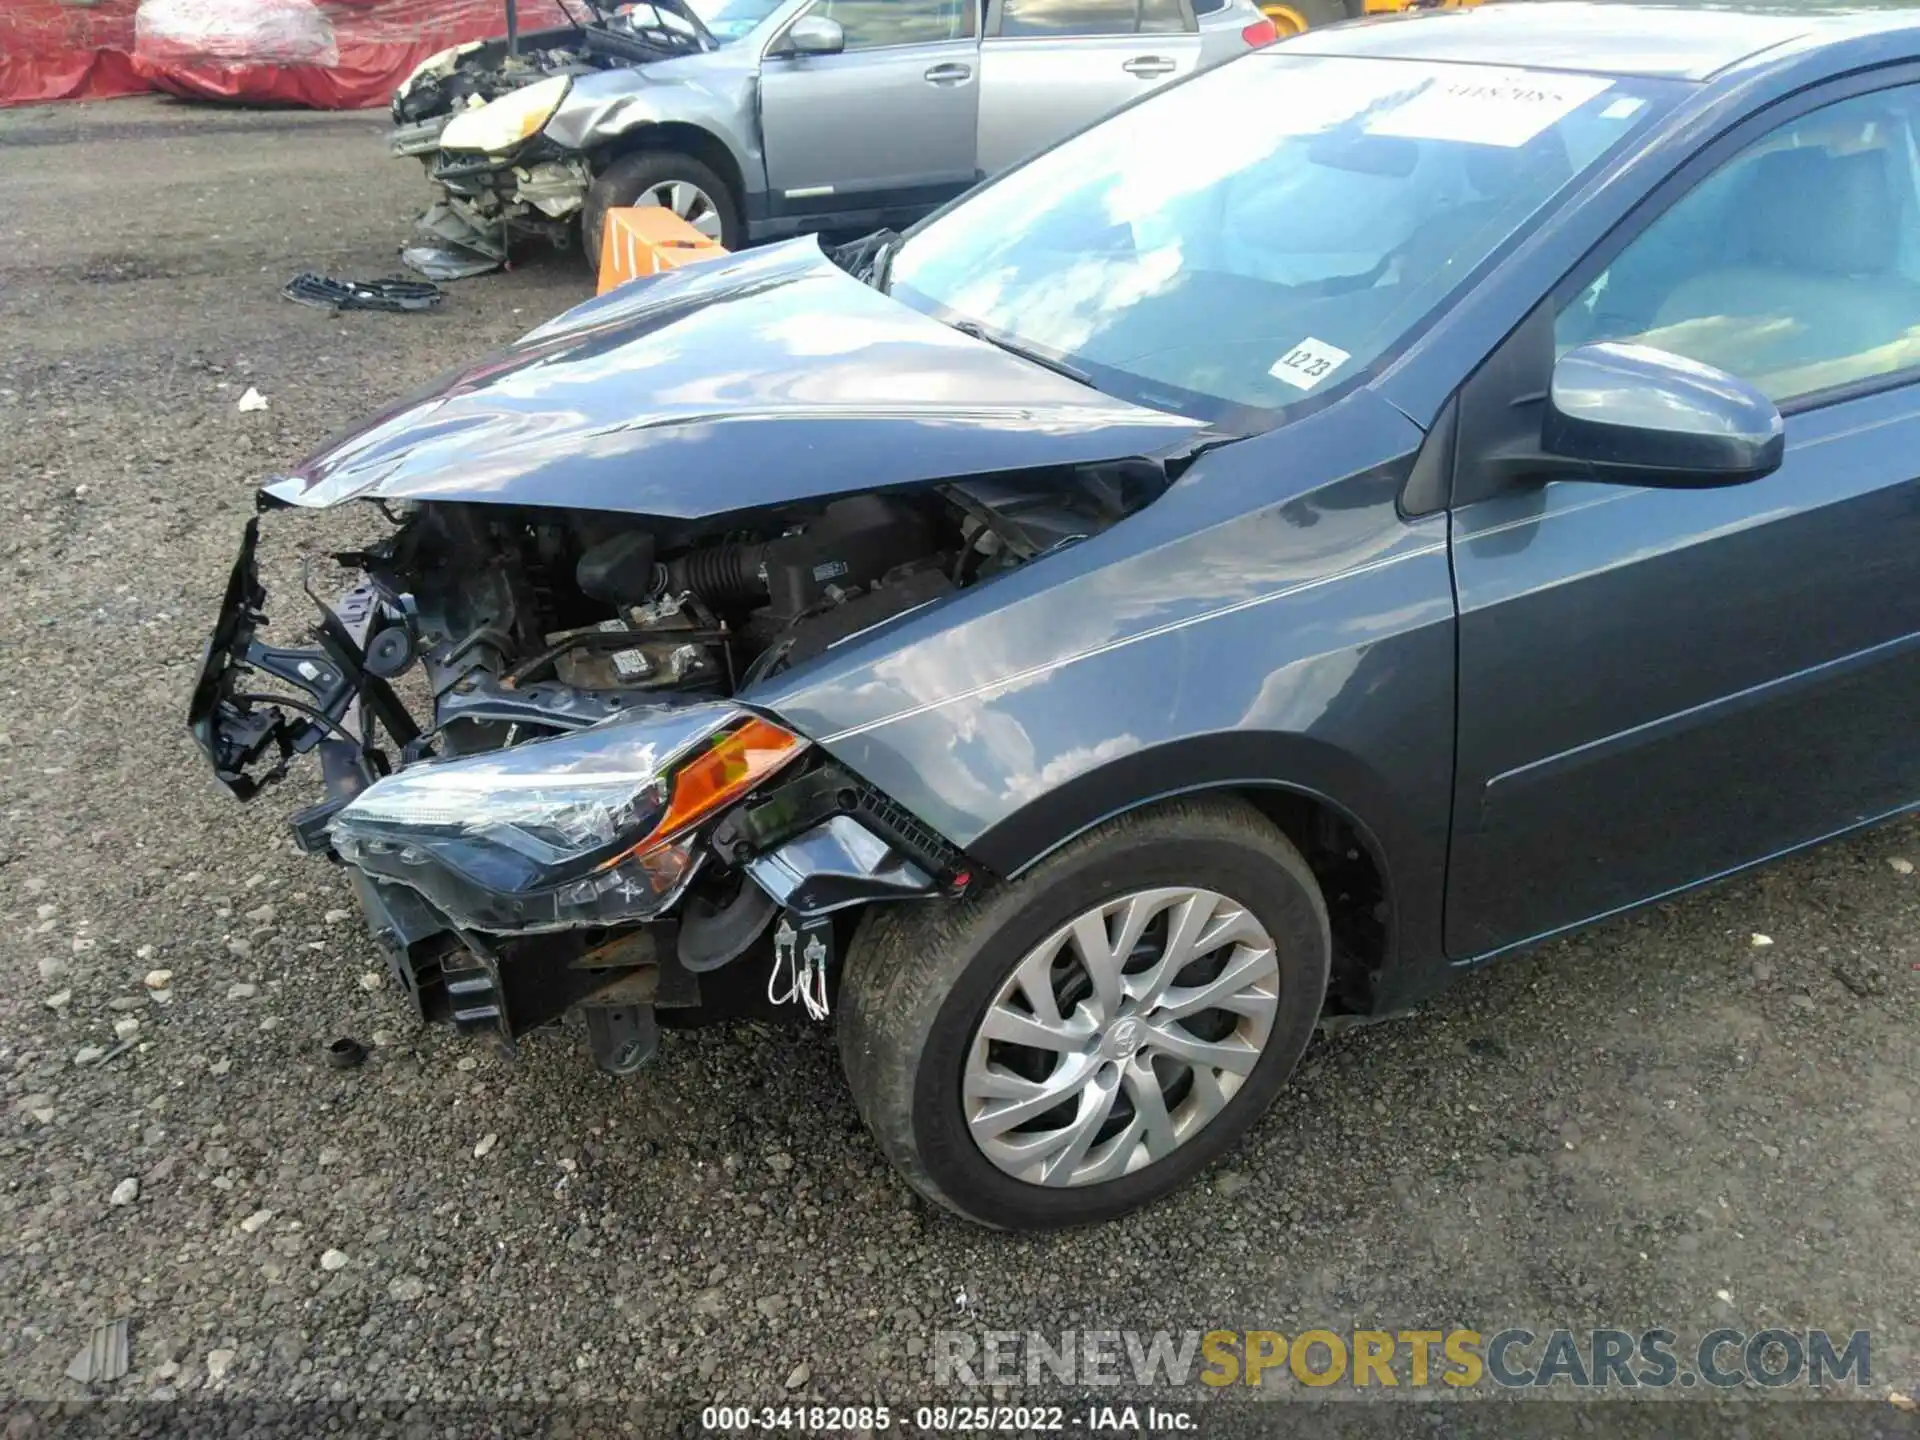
1659 1121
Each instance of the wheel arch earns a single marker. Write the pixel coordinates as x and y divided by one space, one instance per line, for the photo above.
687 138
1328 803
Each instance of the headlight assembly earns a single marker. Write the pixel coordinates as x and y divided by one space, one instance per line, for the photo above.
502 124
589 828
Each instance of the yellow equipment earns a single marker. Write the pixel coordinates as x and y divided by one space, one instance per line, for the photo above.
1291 19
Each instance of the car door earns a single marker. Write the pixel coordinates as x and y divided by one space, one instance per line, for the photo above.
1657 686
1049 67
887 124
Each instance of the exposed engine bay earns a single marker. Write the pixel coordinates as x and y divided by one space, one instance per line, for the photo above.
474 74
483 72
502 626
608 606
575 709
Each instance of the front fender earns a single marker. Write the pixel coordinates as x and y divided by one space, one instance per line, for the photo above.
1192 765
607 109
1241 630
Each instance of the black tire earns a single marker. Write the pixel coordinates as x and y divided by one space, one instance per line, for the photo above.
631 176
920 977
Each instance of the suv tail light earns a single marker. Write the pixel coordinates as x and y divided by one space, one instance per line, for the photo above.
1261 32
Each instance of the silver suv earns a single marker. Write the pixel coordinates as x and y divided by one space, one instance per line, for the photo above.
761 118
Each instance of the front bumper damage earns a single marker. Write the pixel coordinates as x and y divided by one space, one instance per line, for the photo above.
485 206
522 183
807 850
340 693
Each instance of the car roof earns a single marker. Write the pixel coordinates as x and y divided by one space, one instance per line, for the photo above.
1663 41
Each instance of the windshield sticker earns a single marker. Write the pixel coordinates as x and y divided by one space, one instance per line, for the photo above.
1623 107
1308 363
1500 107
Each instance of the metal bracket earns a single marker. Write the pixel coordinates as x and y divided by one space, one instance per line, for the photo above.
557 707
834 865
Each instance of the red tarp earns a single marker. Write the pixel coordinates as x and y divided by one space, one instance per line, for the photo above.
328 54
55 51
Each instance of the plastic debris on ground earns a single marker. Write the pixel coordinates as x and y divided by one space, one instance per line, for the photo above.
345 1053
448 246
444 262
252 400
326 293
104 1358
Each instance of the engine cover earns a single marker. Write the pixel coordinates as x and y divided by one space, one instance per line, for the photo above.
853 543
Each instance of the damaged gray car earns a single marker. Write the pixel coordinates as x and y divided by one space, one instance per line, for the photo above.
1082 645
755 119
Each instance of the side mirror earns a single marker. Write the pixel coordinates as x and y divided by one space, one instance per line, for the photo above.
1639 416
815 35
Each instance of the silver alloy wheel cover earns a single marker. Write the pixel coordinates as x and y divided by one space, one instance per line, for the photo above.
1110 1039
688 201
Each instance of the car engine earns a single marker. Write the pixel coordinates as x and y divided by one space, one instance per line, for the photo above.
489 70
578 610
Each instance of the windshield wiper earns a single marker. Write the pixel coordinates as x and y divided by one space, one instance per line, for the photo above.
1014 347
868 259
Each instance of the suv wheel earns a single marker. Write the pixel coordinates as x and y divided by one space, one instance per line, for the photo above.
1070 1046
667 178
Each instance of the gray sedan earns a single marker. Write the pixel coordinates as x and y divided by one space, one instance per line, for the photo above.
1212 581
761 118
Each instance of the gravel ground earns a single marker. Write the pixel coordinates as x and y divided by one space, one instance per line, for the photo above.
1660 1121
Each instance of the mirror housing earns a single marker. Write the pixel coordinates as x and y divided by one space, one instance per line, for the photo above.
1634 415
814 35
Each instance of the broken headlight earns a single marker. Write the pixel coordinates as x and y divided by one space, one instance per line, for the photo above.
501 125
590 828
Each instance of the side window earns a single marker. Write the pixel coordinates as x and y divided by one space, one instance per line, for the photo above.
1161 17
877 24
1795 265
1027 18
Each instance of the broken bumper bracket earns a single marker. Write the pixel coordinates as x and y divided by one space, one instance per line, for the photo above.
837 864
242 730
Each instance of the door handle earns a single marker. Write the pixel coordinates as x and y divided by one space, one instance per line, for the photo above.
1148 67
948 74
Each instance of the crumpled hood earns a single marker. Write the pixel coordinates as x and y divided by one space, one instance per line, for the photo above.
761 379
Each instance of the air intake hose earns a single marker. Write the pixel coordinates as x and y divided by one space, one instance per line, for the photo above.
720 574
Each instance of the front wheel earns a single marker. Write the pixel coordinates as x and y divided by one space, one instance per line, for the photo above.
1070 1046
667 178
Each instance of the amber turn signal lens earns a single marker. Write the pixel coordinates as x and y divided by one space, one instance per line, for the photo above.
728 768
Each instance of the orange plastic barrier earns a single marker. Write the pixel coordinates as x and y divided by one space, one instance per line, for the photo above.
646 239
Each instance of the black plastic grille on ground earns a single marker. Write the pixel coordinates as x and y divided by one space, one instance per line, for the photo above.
329 294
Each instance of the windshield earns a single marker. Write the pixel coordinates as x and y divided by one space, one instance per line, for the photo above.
1267 230
728 20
